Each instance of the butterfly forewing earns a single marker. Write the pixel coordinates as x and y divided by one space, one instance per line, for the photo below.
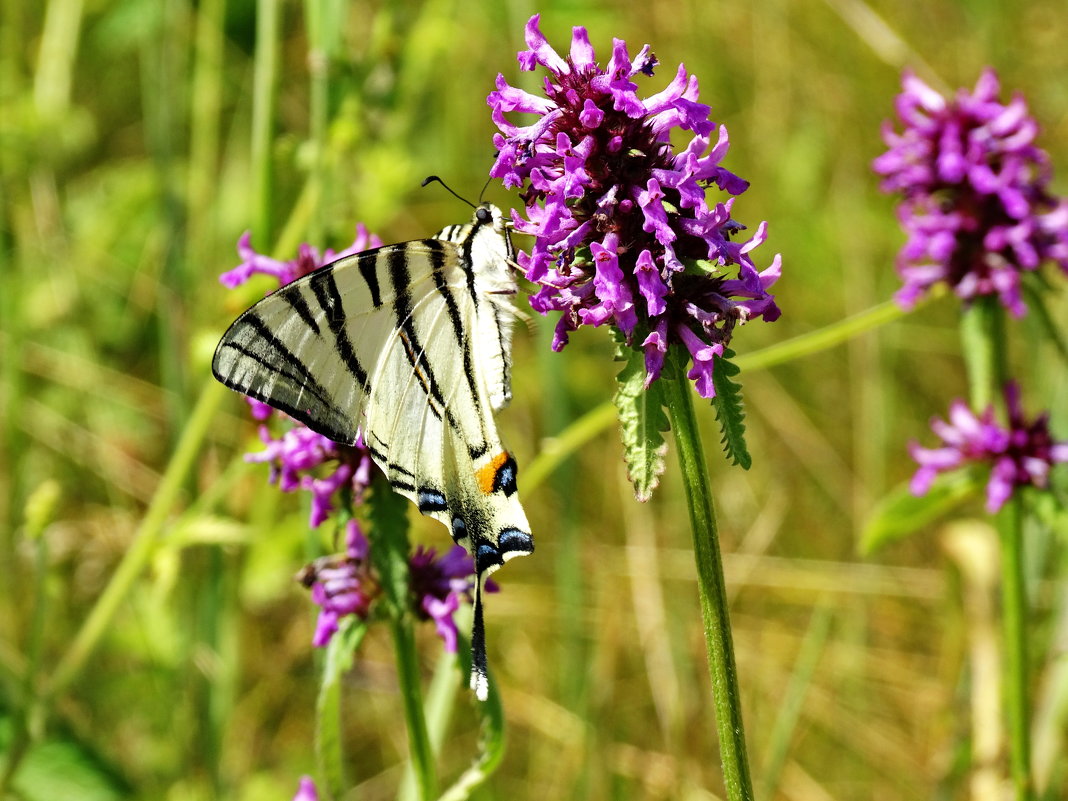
409 344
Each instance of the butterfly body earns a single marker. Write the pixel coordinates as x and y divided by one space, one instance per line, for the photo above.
408 346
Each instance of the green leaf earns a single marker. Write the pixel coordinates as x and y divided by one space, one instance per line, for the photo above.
901 513
61 768
730 411
642 423
337 661
980 331
388 535
491 739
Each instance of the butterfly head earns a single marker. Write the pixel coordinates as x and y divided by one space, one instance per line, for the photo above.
491 243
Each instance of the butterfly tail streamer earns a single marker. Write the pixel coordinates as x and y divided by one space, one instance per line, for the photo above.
479 665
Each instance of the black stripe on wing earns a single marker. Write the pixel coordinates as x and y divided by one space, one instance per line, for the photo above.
324 285
292 295
279 378
463 337
399 275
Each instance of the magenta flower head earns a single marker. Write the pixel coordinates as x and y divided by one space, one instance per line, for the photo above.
1020 454
438 584
297 456
977 208
623 232
341 585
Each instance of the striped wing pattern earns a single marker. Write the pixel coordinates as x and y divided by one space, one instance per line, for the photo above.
409 344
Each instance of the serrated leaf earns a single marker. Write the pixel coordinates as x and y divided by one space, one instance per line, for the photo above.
336 662
730 410
642 422
900 513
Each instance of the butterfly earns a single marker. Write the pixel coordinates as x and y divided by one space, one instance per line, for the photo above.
408 345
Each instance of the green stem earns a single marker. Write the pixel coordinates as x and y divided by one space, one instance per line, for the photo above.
984 347
408 678
265 79
558 448
712 588
827 337
1014 622
144 542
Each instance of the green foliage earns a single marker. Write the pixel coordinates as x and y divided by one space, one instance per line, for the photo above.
387 531
729 410
329 742
642 423
491 733
61 769
901 514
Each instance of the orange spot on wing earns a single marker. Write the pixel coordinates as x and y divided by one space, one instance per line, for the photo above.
488 472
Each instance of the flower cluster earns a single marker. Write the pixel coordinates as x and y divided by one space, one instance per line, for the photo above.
296 457
623 232
976 207
1019 455
345 584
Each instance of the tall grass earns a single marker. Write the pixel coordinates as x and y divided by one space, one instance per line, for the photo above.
152 641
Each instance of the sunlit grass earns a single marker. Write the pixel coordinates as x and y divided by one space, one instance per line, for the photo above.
128 170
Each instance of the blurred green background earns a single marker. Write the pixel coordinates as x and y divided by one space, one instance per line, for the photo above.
138 141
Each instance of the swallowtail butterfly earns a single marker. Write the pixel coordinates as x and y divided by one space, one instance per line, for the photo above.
410 344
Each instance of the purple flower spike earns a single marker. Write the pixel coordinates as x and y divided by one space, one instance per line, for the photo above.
976 207
622 230
1019 455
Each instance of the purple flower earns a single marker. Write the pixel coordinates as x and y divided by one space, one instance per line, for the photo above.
623 232
341 585
1019 455
296 457
976 207
438 585
307 790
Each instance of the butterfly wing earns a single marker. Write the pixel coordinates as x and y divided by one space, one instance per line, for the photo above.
410 344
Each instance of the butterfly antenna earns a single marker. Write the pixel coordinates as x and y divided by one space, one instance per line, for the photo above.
484 188
479 670
432 178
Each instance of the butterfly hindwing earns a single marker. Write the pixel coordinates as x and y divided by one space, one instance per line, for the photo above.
409 344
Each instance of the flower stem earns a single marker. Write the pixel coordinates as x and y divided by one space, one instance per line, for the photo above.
1014 625
830 335
422 755
556 449
712 588
983 341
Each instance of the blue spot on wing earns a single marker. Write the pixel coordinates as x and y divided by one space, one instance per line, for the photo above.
431 500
